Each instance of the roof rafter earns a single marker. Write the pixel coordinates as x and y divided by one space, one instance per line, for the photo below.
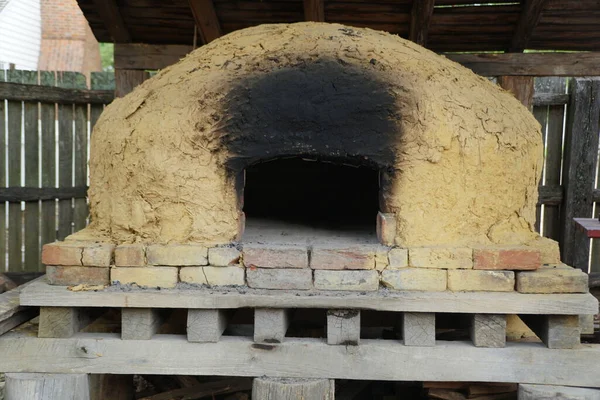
314 10
420 19
206 19
113 21
528 20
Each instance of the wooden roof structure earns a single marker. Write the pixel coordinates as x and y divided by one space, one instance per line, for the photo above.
440 25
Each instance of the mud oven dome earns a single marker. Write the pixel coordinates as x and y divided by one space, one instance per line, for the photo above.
315 157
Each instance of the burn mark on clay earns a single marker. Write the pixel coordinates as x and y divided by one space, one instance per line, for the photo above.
261 346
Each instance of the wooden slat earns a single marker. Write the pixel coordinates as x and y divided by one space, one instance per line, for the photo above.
2 182
314 10
42 294
206 19
541 115
579 167
551 99
520 86
31 92
127 79
48 162
421 13
100 81
531 64
80 161
65 155
301 358
531 10
31 236
15 233
145 56
113 21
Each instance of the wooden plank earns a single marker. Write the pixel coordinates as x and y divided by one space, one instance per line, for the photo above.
61 322
12 314
293 389
202 390
541 115
579 166
551 99
126 80
47 94
140 323
488 330
520 86
206 325
17 194
531 64
42 294
301 358
80 160
148 56
3 205
48 163
537 392
418 329
270 325
343 327
31 235
112 19
556 331
550 195
531 11
15 226
47 387
314 10
421 13
65 156
206 19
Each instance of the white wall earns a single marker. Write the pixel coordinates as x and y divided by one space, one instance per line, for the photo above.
20 34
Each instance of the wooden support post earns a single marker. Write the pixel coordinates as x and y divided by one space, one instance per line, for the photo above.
127 79
293 389
140 323
538 392
20 386
520 86
314 10
61 322
206 19
420 19
206 325
417 329
488 330
531 11
586 324
556 331
270 325
343 327
579 169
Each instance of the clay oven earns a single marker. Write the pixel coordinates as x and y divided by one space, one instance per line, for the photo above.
340 151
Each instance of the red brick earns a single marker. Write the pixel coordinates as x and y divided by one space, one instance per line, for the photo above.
98 255
386 228
516 258
275 256
62 253
357 257
68 276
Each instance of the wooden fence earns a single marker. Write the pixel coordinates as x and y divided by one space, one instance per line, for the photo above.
45 120
49 118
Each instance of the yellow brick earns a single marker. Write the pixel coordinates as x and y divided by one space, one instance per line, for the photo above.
164 277
460 280
177 254
213 276
426 279
398 258
441 257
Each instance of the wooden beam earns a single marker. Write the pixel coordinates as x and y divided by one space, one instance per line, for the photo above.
42 294
206 19
113 21
148 56
420 19
18 194
51 94
531 64
531 10
314 10
99 353
12 314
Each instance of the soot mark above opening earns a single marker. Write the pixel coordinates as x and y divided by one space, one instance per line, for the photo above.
321 108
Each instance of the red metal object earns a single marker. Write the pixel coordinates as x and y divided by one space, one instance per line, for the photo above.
591 226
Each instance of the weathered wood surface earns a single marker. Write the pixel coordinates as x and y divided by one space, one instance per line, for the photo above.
420 19
301 358
3 263
48 163
47 387
488 330
531 11
42 294
314 10
550 99
206 325
556 331
15 216
293 389
583 115
49 94
541 392
127 79
418 329
140 323
111 387
343 327
18 194
206 19
147 56
520 86
61 322
12 314
551 195
271 325
80 161
113 21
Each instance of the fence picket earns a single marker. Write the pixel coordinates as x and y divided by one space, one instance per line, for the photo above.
15 226
31 235
541 114
80 207
48 161
3 264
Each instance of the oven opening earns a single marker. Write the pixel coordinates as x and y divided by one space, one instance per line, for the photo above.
296 199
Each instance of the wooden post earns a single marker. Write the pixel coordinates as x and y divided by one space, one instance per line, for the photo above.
127 79
520 86
206 326
579 166
488 330
417 329
293 389
270 324
20 386
343 327
556 331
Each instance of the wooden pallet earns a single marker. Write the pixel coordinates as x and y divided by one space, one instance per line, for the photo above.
554 318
